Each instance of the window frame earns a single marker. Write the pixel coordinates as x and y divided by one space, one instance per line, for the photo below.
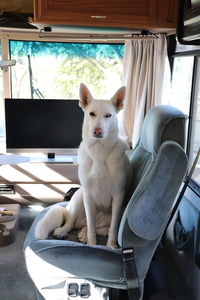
35 35
195 76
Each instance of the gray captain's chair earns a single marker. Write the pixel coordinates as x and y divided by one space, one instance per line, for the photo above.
159 164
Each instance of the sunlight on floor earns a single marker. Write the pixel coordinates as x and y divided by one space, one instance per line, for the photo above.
36 207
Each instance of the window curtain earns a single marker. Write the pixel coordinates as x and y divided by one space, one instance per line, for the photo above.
144 70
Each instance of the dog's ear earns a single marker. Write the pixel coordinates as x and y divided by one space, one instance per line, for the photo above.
85 96
118 98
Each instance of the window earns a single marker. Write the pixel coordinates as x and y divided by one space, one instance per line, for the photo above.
186 97
55 70
182 83
195 141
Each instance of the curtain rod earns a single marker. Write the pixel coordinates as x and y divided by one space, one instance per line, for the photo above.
84 36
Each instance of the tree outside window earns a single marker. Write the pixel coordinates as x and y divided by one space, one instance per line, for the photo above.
55 70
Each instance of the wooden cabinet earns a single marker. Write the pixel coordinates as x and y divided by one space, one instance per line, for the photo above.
108 13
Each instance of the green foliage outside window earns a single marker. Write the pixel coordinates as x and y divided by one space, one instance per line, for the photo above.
58 68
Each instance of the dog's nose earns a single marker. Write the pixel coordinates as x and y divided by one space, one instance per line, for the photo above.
98 132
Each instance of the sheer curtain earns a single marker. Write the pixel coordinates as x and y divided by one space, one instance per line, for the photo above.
144 68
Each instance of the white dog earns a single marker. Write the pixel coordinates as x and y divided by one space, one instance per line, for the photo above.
104 170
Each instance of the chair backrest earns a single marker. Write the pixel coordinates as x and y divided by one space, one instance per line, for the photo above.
162 123
159 164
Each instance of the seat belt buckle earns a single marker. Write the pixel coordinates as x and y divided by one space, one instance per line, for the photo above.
73 289
85 290
128 254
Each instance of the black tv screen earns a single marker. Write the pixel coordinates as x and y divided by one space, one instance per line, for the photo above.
43 126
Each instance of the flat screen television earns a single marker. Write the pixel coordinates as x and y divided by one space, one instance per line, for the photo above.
43 126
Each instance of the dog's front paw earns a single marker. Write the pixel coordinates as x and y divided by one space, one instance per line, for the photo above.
41 235
82 235
40 232
92 241
111 244
59 233
91 238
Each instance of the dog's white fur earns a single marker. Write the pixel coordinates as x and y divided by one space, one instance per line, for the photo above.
103 168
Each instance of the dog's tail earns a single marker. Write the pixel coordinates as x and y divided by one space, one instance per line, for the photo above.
54 218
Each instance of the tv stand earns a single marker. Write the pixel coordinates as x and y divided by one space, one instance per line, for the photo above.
56 158
40 179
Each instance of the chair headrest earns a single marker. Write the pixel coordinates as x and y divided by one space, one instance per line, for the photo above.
162 123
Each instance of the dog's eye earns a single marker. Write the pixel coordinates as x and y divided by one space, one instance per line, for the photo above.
107 115
92 114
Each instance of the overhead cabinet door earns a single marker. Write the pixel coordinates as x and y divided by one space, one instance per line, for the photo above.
107 13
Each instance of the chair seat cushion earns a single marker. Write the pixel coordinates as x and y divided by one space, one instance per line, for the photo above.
69 258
